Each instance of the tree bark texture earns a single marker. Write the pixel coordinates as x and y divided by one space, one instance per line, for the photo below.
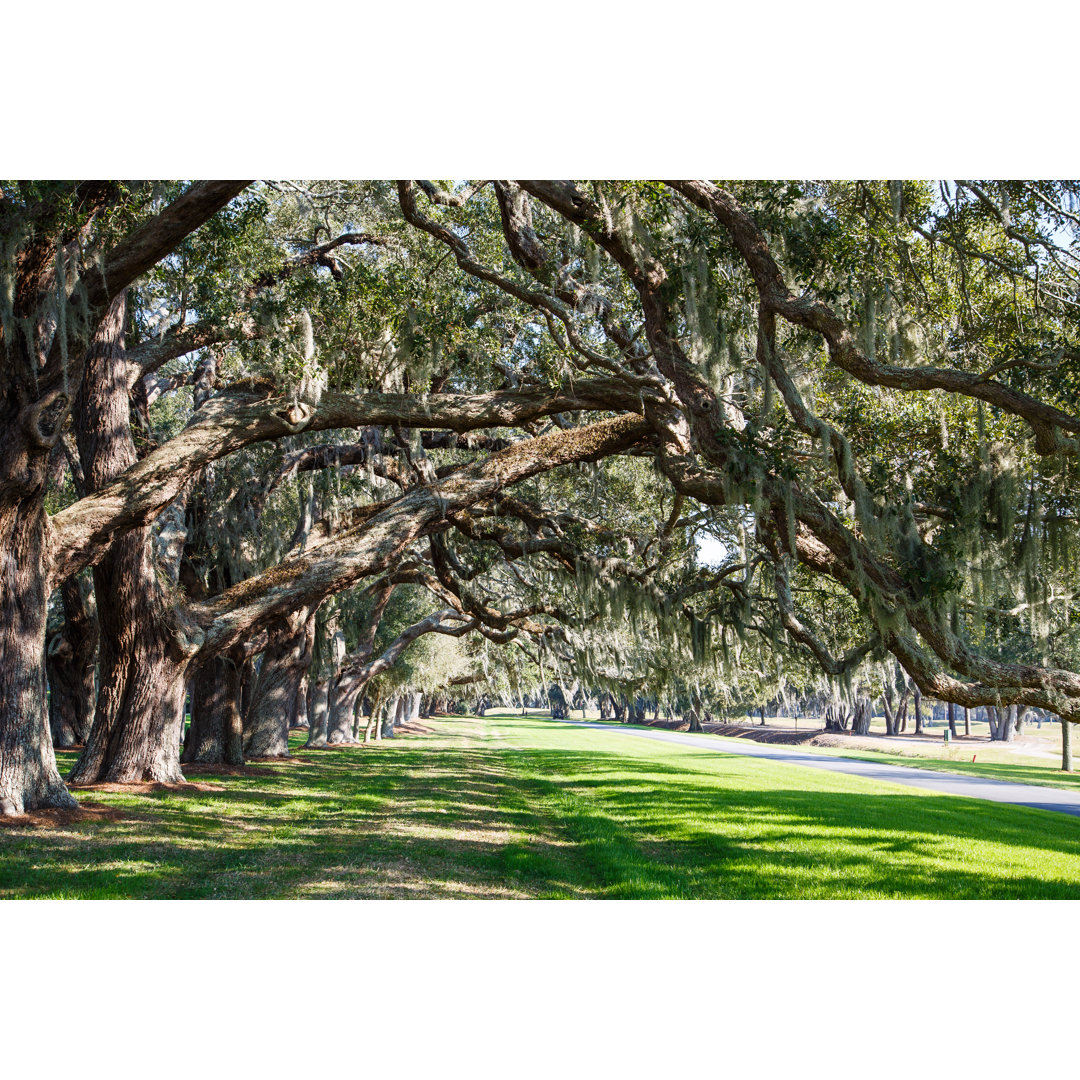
284 662
71 664
860 724
145 648
216 733
343 698
318 713
29 779
39 373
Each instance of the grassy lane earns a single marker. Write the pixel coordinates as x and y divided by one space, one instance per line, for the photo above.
513 807
687 822
958 760
993 761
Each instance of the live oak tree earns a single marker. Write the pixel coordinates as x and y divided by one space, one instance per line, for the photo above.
693 298
71 251
59 282
865 391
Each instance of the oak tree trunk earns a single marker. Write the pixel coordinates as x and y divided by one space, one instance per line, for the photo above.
145 645
343 699
1021 716
836 718
71 663
860 724
216 733
29 779
887 709
318 713
299 718
285 660
1002 722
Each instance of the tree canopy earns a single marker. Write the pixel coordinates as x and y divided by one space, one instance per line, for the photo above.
396 437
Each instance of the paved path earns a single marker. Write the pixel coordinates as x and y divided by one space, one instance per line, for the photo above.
1041 798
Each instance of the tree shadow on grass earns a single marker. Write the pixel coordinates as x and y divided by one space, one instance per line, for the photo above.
730 839
426 821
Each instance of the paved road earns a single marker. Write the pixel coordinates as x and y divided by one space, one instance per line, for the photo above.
1002 791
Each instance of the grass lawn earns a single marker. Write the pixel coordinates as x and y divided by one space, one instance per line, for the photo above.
993 761
506 806
958 760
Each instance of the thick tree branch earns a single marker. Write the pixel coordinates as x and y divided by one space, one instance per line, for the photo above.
233 420
1046 421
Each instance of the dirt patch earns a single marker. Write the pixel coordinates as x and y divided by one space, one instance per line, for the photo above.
761 734
54 819
414 729
667 725
755 733
929 747
149 787
281 760
230 770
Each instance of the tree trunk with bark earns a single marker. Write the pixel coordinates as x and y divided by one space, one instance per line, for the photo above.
887 708
71 664
1002 722
29 779
273 704
372 720
144 657
836 718
394 716
1021 716
318 714
216 734
299 717
1066 746
860 724
145 644
343 698
42 341
557 702
917 699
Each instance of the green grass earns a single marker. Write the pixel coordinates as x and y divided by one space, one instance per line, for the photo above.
506 806
956 758
1045 775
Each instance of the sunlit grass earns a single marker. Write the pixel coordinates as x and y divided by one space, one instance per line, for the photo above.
993 761
513 807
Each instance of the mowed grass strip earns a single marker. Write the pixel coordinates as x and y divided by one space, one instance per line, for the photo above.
521 807
959 760
992 760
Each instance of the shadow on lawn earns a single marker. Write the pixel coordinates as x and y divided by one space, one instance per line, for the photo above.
428 821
